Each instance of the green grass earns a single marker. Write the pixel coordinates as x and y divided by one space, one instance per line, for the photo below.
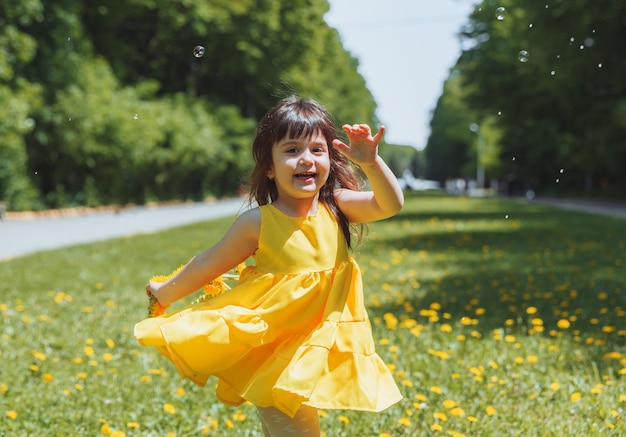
468 299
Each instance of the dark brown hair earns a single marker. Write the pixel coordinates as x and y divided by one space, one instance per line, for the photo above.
296 117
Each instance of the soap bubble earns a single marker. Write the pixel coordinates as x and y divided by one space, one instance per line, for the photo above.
136 116
500 13
198 51
522 56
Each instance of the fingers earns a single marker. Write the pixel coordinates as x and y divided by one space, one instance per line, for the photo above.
379 134
341 146
363 130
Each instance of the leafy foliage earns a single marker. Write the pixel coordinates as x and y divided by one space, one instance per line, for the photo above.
108 104
558 105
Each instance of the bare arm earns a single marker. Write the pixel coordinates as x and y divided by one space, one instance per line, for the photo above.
386 197
235 247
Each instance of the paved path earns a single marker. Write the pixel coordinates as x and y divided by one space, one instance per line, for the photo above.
21 237
594 207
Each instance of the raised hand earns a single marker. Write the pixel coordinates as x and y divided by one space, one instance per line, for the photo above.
363 147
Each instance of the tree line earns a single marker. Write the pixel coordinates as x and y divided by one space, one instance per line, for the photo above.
537 98
110 102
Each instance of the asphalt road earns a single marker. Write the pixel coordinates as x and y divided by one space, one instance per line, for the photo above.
20 237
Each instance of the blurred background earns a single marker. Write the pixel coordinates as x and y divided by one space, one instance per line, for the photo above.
136 101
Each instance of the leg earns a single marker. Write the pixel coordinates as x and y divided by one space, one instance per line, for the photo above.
277 424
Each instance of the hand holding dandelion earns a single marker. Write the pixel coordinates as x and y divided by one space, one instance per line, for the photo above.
213 289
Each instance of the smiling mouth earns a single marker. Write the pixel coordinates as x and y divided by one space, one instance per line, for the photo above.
305 176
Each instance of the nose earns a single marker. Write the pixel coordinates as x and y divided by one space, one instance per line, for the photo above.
305 158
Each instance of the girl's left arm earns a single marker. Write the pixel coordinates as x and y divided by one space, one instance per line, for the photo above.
386 197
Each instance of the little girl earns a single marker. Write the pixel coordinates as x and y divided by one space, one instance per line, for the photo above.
293 334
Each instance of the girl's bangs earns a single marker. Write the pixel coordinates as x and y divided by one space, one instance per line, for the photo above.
297 125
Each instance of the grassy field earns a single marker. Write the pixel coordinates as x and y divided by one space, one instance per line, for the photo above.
498 318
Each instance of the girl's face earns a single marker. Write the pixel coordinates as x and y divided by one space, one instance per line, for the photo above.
300 166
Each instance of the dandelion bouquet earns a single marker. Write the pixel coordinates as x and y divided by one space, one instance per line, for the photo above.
211 290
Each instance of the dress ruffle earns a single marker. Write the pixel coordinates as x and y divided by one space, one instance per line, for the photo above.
280 340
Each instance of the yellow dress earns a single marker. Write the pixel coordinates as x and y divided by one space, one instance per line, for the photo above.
292 331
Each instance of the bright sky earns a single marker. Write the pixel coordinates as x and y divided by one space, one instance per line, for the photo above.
405 50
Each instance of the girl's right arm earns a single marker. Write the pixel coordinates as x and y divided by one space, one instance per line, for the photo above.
239 243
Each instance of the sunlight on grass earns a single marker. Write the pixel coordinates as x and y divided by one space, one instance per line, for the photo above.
497 317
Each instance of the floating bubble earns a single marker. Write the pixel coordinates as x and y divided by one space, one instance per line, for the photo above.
558 180
513 159
552 73
561 171
500 13
600 65
506 216
522 56
198 51
136 116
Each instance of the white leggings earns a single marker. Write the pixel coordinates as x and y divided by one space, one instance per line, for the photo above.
277 424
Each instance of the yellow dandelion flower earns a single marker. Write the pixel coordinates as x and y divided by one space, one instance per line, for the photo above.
212 425
118 433
77 360
110 343
34 367
88 351
622 398
555 386
47 377
322 413
446 328
404 421
449 403
12 414
563 324
440 416
344 419
407 383
575 397
532 358
78 387
81 375
3 388
436 427
239 416
531 310
145 378
105 429
457 412
107 357
384 434
391 321
509 338
133 425
180 391
472 419
436 389
169 408
420 397
39 355
490 410
229 423
597 389
170 434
